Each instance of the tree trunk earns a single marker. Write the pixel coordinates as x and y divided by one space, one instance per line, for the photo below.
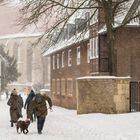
109 19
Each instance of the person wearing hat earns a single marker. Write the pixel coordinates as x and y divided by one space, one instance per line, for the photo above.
39 104
14 104
27 103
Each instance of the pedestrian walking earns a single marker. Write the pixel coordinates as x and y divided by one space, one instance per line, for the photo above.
39 104
27 103
14 104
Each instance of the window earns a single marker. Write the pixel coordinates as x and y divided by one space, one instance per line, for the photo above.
58 86
53 62
97 53
69 58
91 48
69 86
57 61
63 87
63 55
53 86
88 53
78 56
94 48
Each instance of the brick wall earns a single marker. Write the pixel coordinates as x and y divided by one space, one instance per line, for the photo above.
128 52
65 73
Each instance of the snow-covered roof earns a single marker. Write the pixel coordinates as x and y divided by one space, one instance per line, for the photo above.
123 12
66 43
131 24
103 77
78 14
120 17
20 35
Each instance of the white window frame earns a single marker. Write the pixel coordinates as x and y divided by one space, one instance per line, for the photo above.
63 54
91 48
78 55
97 48
53 62
69 58
58 61
94 48
88 52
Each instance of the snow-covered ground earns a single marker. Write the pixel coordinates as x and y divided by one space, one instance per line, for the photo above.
64 124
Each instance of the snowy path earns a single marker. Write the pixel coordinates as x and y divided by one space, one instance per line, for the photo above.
63 124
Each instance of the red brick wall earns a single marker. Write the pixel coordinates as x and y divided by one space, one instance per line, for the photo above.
70 72
128 52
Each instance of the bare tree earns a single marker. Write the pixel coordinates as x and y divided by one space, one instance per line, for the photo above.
55 14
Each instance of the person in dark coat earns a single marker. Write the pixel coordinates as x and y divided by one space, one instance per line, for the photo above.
39 104
27 103
14 104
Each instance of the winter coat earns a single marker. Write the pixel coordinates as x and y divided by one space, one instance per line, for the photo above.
29 99
39 105
14 104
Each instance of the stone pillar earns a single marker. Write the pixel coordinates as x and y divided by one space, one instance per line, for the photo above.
37 67
103 94
22 62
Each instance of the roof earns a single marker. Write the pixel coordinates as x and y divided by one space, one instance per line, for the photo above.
20 35
120 18
66 43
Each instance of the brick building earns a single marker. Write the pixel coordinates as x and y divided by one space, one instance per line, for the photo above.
72 58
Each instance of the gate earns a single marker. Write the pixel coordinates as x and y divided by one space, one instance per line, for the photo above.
134 96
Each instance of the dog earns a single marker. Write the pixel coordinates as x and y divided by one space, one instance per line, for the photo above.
23 126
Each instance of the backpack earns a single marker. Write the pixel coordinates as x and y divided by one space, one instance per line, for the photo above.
38 98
